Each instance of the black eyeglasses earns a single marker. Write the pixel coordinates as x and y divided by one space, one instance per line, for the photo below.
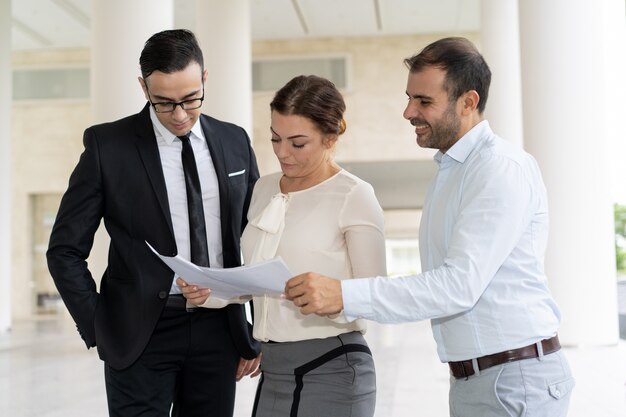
170 106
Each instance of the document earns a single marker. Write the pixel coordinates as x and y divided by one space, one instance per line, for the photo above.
267 277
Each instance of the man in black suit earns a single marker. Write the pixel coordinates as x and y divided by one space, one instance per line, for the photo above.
156 352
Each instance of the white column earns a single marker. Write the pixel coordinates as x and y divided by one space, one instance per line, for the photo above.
614 46
120 29
499 39
223 30
566 59
5 165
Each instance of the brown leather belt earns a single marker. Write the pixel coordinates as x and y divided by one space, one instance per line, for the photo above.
464 369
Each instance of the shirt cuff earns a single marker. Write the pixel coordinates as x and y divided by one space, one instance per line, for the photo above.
357 299
214 302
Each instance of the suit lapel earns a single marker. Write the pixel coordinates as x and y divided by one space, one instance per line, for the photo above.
149 152
217 155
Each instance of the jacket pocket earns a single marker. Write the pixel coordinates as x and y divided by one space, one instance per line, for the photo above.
237 177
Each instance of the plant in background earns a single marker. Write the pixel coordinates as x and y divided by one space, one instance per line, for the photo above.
620 237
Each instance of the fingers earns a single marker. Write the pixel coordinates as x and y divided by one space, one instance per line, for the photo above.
309 306
196 296
247 367
255 369
307 303
315 294
241 368
297 286
256 373
303 291
193 294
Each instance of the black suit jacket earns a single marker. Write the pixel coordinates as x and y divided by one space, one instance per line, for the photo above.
119 178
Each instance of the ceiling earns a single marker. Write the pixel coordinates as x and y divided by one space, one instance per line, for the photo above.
44 24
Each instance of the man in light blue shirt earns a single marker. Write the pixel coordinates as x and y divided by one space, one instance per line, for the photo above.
482 241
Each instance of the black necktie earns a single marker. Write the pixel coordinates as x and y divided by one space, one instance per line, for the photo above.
197 227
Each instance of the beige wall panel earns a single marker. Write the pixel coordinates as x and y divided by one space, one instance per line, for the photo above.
46 146
375 97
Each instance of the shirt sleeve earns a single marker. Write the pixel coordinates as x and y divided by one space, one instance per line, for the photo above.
71 240
357 299
496 207
362 223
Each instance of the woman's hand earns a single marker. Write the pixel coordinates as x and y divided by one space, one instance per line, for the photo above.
193 294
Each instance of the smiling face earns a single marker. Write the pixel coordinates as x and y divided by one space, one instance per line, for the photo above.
176 87
437 121
302 150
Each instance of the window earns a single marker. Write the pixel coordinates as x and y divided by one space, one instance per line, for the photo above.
272 74
57 83
403 257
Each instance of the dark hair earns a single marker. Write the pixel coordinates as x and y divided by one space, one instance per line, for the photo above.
170 51
465 67
315 98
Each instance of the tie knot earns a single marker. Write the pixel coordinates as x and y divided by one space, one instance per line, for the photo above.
184 138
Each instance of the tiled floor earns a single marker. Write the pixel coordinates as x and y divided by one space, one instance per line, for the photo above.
45 371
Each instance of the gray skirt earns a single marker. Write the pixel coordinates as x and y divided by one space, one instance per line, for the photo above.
332 377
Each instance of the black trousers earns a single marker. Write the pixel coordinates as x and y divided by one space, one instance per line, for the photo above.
188 368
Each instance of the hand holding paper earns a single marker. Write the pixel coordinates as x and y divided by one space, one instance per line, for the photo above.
266 277
194 295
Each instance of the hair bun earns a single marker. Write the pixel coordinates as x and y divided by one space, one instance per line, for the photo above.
342 126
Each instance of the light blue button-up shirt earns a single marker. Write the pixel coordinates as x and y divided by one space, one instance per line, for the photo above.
482 241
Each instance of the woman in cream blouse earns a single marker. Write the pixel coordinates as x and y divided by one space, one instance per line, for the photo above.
315 216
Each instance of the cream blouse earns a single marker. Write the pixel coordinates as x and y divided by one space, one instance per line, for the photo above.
334 228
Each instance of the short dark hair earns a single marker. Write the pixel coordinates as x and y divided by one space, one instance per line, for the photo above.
315 98
170 51
465 67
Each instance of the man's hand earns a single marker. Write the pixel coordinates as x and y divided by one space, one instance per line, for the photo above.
315 293
248 367
193 294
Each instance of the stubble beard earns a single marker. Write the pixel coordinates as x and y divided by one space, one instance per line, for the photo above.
443 133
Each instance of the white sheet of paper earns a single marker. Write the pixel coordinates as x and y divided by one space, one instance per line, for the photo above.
267 277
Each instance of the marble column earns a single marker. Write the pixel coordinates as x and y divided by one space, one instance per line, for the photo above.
499 44
224 33
5 165
570 123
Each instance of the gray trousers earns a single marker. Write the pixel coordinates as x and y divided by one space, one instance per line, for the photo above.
332 377
539 387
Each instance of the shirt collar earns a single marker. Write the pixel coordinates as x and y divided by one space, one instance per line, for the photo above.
464 146
161 131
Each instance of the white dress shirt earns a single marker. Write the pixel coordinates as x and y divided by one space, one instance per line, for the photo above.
483 236
335 227
170 148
